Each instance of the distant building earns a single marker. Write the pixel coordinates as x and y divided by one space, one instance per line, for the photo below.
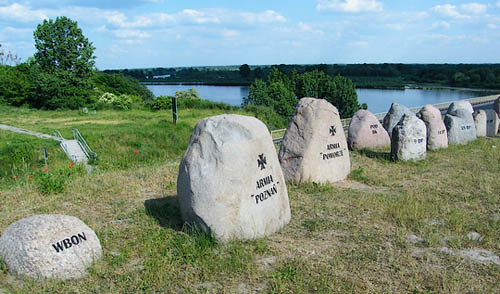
161 77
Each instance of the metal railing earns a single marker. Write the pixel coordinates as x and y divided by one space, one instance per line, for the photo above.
278 135
83 144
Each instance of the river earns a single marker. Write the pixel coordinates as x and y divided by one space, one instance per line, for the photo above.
378 100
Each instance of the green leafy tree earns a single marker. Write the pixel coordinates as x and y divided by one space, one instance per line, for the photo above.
245 71
64 64
280 92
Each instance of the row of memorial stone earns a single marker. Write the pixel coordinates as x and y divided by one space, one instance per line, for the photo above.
231 182
410 134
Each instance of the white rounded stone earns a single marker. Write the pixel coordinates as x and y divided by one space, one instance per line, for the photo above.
480 120
460 126
365 131
52 246
409 139
394 115
230 183
463 104
314 148
437 136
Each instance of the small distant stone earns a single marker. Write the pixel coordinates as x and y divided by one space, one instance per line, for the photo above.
365 131
437 136
474 236
461 127
394 115
492 123
480 120
414 239
409 139
462 104
435 222
85 110
476 255
57 247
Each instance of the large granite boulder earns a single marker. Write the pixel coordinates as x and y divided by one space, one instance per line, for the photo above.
480 120
314 148
392 118
464 104
230 183
409 139
437 136
492 123
365 131
460 126
57 247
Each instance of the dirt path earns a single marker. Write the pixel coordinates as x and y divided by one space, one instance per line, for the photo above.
28 132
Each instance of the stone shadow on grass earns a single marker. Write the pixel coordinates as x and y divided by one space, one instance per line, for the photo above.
166 211
384 156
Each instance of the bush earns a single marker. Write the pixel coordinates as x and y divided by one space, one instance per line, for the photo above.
51 184
122 102
161 103
119 84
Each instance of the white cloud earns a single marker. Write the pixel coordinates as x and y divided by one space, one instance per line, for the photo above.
127 34
349 5
463 12
441 25
473 8
396 26
17 12
230 33
306 28
194 17
448 10
498 3
492 26
359 44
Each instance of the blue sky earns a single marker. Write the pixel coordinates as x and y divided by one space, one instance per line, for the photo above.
168 33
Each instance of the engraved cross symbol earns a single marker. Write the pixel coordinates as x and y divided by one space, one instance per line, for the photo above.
261 161
333 130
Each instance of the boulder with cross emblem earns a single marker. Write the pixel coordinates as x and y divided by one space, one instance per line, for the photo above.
314 148
230 183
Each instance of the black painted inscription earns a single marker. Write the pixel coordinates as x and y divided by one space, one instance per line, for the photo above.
418 141
69 242
373 126
333 146
374 132
490 121
265 183
442 132
466 128
333 155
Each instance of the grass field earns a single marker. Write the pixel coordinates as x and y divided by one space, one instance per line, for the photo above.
393 227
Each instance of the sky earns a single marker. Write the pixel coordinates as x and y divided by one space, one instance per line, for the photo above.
174 33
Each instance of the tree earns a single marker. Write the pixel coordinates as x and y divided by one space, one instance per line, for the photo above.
245 70
64 64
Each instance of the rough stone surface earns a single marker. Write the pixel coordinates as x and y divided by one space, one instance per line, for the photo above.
230 182
437 136
394 115
460 126
314 148
480 120
474 236
365 131
476 254
492 123
463 104
409 139
57 247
